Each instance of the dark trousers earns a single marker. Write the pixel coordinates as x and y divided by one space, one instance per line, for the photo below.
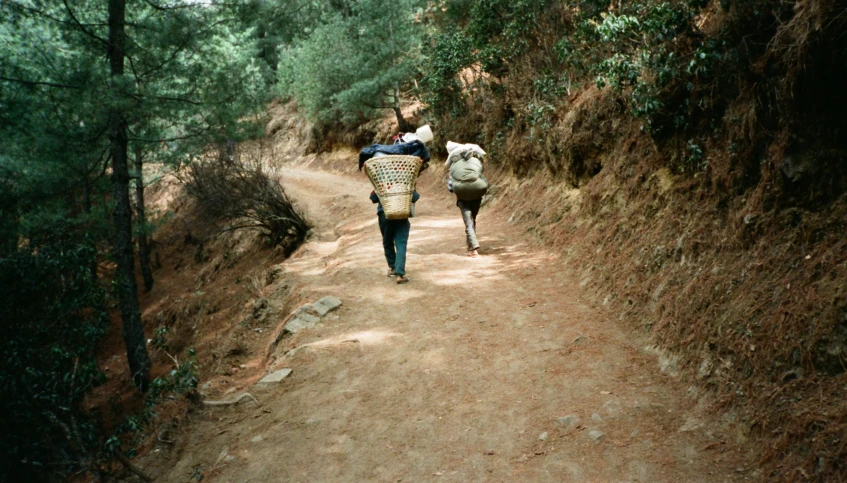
469 211
395 237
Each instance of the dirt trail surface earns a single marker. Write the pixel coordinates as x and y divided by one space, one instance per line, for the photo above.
487 369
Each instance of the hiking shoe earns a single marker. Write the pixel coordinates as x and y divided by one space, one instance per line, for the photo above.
391 273
473 253
402 279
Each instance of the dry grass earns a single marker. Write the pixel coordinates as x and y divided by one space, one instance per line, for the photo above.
751 299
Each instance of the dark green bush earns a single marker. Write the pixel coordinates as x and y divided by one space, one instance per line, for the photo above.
53 315
650 53
440 86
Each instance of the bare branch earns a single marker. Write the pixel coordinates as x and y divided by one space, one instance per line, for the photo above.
131 467
81 26
38 83
162 8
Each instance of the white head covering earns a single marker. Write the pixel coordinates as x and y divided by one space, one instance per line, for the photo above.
422 134
458 151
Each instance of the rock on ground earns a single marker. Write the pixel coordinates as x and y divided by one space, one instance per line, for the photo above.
326 305
301 321
568 421
275 376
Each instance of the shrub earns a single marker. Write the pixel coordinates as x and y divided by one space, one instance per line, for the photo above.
451 51
241 195
53 316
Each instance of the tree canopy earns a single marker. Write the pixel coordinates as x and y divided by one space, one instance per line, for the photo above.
355 61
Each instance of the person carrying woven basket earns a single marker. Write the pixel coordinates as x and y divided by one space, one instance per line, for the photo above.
395 238
409 144
468 184
394 226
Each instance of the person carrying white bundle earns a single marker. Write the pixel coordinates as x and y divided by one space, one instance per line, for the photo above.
468 184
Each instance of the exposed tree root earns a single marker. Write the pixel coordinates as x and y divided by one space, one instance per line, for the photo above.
132 468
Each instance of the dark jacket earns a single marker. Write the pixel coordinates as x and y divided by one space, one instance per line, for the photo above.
414 148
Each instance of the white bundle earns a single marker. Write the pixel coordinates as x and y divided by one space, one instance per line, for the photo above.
462 151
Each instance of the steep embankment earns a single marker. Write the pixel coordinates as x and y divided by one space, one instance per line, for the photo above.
744 287
700 196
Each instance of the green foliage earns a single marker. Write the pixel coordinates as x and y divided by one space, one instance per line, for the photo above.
696 161
53 316
502 30
182 380
159 338
318 68
275 24
193 75
451 51
348 67
645 51
550 86
643 62
495 39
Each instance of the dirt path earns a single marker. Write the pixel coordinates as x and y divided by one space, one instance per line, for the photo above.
460 375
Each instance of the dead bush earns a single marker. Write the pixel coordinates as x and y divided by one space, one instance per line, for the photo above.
236 193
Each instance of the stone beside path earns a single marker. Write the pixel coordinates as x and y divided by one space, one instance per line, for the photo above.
301 321
276 376
326 305
310 314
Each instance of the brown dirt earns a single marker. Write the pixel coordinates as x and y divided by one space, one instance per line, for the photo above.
205 287
454 376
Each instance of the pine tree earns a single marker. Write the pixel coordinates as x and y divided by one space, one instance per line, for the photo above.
356 62
173 73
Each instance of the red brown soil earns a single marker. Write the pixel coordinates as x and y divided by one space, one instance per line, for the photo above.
456 376
202 294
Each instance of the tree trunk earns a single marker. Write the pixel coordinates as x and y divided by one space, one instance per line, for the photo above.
402 124
125 284
143 242
86 208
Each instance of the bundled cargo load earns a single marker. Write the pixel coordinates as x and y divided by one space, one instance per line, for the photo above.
466 168
410 144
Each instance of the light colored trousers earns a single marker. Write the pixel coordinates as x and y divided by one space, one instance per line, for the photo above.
469 211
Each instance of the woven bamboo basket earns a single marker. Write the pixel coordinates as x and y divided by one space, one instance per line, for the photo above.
394 178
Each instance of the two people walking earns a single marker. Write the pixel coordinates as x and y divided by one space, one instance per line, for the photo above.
466 181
